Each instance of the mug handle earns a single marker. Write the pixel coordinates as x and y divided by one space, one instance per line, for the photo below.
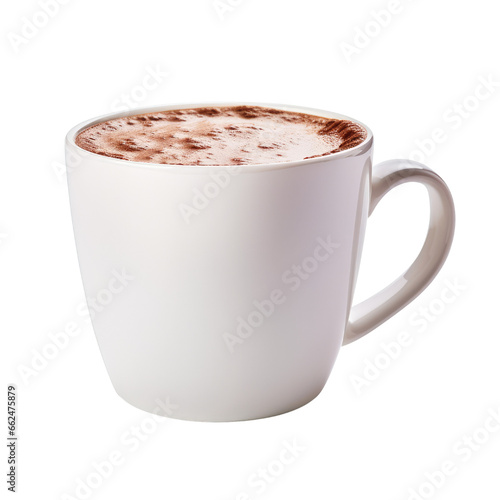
373 311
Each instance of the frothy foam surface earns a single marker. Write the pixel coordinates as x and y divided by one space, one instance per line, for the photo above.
228 135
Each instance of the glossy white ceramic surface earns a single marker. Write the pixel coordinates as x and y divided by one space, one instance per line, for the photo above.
174 332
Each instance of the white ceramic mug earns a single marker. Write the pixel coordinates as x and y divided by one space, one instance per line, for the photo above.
227 291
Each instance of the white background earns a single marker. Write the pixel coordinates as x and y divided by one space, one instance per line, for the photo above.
377 441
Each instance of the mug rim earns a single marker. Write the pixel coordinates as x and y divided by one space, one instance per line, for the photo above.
361 148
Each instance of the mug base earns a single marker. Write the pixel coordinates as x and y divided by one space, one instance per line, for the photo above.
170 410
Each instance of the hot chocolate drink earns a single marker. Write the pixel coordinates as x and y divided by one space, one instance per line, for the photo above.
225 135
